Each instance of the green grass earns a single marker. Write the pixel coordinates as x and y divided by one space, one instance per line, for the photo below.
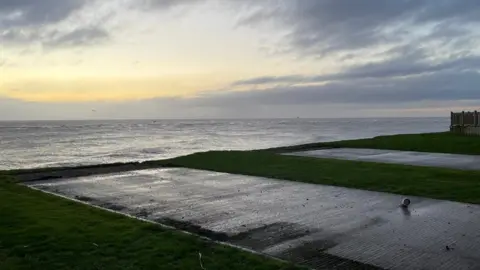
40 231
444 142
455 185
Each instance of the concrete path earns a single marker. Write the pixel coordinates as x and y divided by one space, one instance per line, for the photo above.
463 162
320 226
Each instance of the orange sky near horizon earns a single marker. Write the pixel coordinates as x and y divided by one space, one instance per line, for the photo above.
141 61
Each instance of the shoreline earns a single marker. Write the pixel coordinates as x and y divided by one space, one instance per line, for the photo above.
442 183
441 142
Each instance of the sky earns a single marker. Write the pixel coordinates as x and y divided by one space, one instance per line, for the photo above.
155 59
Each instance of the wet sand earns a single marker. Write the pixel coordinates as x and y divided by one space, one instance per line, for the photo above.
320 226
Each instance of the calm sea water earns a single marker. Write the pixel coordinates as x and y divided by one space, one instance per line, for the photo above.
60 143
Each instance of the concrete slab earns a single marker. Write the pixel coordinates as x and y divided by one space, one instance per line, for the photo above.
311 224
453 161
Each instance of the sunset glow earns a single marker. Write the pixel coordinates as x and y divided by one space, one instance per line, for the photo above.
300 53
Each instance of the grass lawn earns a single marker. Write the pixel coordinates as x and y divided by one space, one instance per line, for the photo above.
444 142
40 231
455 185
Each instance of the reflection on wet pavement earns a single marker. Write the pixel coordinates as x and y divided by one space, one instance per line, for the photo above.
453 161
319 226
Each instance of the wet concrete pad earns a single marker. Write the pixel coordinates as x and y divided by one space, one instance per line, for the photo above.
320 226
453 161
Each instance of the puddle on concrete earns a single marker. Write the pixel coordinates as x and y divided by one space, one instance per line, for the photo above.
312 254
453 161
319 226
265 236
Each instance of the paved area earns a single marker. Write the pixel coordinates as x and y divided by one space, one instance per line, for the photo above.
320 226
463 162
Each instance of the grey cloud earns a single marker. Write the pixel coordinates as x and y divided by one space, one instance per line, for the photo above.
439 86
77 37
400 66
274 79
404 66
322 26
164 4
460 11
36 12
25 22
51 39
18 36
433 55
445 88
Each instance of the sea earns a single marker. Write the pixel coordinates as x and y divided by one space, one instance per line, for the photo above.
71 143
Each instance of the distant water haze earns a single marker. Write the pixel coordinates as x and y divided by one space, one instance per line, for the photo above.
68 143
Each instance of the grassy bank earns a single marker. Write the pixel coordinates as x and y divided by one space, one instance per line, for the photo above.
444 142
40 231
455 185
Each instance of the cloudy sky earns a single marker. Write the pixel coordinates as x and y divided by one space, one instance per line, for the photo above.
97 59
